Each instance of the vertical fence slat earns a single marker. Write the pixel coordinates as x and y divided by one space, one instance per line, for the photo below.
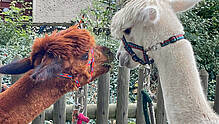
204 81
216 100
81 100
122 95
59 111
103 99
76 102
160 111
140 113
85 101
39 119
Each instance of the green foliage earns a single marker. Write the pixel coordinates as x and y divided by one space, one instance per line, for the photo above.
98 16
202 29
211 90
15 35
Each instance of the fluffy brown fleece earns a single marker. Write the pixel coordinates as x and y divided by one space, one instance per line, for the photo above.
65 52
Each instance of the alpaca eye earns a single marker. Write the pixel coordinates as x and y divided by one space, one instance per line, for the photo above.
85 57
50 54
127 31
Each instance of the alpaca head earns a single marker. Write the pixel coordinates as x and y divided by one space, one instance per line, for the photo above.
146 23
67 52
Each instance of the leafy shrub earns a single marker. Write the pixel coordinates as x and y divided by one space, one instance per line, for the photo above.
15 35
202 29
211 90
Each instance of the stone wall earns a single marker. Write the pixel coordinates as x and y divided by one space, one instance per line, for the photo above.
58 11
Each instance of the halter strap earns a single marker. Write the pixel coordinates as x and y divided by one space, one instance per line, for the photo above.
91 63
129 45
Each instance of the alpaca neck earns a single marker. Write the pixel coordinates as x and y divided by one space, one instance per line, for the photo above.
26 99
184 99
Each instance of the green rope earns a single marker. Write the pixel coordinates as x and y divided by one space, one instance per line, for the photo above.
146 99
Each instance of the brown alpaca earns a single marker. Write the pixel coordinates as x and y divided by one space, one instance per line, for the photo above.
65 52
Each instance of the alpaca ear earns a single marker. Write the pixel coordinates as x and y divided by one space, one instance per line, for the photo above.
183 5
18 67
150 14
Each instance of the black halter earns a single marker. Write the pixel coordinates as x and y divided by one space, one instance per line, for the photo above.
129 45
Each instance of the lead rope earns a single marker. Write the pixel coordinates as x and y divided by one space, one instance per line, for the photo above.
76 115
146 99
147 102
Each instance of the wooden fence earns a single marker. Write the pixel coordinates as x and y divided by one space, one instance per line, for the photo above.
122 110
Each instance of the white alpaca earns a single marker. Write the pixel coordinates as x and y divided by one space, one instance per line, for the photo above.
149 22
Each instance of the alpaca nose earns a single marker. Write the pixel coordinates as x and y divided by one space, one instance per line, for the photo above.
118 55
123 58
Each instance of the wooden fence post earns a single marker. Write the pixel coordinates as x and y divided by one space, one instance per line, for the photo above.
59 111
160 111
76 102
122 95
85 101
39 119
204 81
140 114
216 100
103 99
